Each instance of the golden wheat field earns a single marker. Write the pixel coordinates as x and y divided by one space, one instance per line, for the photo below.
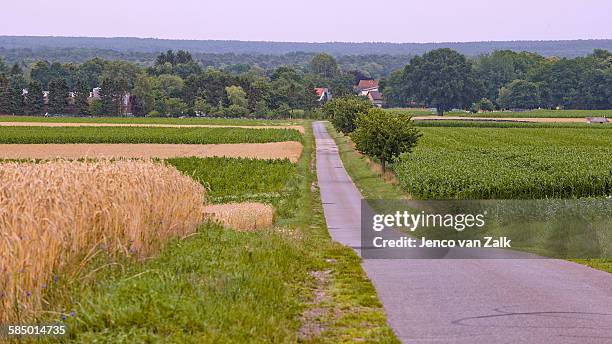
273 150
242 216
55 216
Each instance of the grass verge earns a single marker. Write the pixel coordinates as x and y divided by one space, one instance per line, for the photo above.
366 174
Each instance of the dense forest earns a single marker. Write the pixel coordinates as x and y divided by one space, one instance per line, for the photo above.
503 79
176 84
375 66
375 60
568 48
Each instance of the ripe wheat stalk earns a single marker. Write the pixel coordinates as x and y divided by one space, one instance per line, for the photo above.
55 215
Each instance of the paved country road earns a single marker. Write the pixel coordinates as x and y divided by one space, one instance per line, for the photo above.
470 301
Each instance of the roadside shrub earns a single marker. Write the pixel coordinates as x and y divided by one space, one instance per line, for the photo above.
342 112
384 136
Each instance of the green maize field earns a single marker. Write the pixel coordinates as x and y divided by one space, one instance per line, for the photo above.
508 163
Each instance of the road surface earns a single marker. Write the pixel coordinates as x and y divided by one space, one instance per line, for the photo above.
470 301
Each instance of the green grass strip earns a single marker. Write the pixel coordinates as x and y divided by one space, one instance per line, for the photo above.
41 135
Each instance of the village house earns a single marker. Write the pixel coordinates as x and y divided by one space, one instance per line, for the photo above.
323 94
369 89
366 86
126 101
376 98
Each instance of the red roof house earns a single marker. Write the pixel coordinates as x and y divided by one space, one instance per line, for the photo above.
323 93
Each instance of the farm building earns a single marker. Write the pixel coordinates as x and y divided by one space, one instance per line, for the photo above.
376 98
323 94
366 86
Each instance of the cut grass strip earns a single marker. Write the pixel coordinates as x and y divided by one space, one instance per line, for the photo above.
43 135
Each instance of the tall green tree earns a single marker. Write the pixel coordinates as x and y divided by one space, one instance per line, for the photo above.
499 68
59 97
384 136
40 72
112 94
16 86
108 93
442 78
146 90
519 94
324 65
81 98
91 71
236 96
238 101
342 112
175 106
342 85
5 98
16 69
34 101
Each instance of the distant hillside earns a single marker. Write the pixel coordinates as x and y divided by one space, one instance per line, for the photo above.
569 48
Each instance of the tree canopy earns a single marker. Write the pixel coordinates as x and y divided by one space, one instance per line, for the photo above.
342 112
442 78
383 135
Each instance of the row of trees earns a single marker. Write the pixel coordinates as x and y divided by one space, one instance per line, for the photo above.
177 85
174 85
446 79
375 132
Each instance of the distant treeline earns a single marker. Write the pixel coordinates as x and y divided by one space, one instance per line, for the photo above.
567 48
373 65
176 84
445 79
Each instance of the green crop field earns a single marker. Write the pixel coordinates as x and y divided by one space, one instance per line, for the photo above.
150 120
244 180
475 123
411 111
504 163
540 113
544 113
145 135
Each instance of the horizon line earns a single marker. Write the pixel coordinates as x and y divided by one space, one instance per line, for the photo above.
308 42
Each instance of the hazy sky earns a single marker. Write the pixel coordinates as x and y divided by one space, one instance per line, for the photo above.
312 21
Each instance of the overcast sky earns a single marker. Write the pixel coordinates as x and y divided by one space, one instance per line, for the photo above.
312 21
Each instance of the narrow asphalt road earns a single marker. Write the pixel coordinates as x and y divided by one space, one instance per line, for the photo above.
470 301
